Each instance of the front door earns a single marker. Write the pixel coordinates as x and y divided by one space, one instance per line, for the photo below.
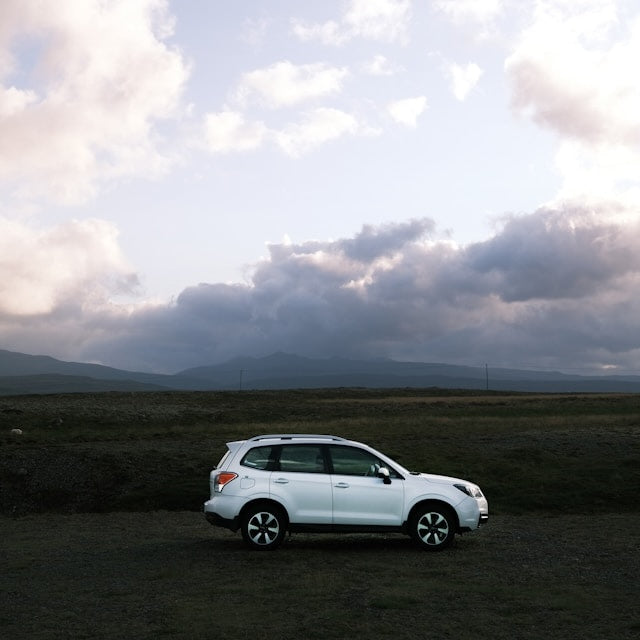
359 496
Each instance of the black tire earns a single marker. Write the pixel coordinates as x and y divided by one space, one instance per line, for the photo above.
263 526
433 527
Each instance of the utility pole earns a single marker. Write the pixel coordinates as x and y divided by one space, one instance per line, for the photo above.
486 374
241 372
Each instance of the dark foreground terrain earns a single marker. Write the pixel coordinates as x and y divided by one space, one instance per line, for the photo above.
102 538
171 575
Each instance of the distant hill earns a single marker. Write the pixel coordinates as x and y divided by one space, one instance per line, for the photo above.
55 383
21 374
287 371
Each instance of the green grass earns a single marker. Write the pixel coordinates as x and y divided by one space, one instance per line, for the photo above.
529 452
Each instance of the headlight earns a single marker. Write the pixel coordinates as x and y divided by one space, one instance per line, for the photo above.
471 490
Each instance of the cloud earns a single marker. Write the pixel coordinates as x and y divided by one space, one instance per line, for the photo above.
41 270
552 287
317 127
229 131
379 65
470 10
84 110
284 84
464 79
574 73
557 255
407 111
380 20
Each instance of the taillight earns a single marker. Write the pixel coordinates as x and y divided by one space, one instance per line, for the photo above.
223 478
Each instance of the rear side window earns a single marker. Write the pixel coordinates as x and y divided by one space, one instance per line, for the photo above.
259 458
302 458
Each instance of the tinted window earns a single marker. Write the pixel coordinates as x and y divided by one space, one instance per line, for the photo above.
349 461
259 458
302 458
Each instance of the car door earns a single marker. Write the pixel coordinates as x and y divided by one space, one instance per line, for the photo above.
360 497
301 483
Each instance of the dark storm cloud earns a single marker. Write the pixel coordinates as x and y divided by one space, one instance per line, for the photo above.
374 242
556 287
548 256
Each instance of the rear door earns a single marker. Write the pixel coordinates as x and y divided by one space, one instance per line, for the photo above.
359 496
301 482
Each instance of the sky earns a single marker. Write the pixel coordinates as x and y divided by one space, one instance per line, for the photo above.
187 181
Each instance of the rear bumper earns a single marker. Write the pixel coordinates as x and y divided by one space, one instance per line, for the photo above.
218 521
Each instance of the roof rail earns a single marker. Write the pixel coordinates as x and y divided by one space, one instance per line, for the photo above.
296 436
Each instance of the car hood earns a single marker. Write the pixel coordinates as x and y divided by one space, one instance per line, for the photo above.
432 477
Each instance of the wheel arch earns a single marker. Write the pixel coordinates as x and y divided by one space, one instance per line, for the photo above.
434 502
266 502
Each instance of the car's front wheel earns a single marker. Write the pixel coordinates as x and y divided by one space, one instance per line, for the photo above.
264 527
433 527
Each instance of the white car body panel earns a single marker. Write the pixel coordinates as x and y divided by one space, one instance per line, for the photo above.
367 501
305 496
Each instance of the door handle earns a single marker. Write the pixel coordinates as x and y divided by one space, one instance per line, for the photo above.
341 485
281 481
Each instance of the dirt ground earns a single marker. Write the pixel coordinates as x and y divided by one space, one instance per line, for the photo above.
171 575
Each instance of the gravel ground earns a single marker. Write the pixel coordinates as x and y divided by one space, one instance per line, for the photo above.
171 575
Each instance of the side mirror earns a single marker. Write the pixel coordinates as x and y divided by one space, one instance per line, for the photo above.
383 473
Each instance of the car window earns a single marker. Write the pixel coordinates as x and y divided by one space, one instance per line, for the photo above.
350 461
302 458
259 458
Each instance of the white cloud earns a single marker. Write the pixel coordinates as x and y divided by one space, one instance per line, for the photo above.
407 111
40 270
85 111
381 20
228 131
284 84
600 173
577 82
13 101
317 127
379 65
574 71
470 10
329 32
464 79
385 20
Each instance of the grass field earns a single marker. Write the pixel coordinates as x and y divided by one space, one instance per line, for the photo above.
137 451
102 537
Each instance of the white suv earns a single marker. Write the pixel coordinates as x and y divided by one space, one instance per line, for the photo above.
272 484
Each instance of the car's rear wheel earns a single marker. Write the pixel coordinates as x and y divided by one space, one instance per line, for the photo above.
264 526
433 527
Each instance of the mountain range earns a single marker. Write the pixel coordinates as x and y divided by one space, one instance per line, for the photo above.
25 374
